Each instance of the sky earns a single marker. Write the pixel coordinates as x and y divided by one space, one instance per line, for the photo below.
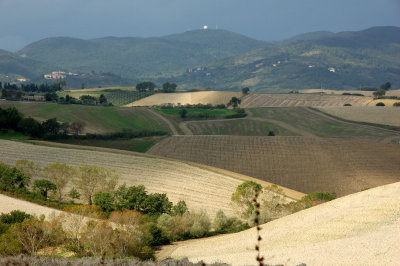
25 21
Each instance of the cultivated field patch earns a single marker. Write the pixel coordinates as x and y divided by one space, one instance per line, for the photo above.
237 127
279 100
329 234
371 114
200 97
305 164
321 125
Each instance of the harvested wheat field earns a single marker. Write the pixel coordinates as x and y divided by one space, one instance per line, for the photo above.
199 187
277 100
371 114
304 164
199 97
359 229
387 102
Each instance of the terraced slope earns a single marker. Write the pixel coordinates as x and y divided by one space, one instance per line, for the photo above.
371 114
199 187
305 164
276 100
202 97
360 229
97 119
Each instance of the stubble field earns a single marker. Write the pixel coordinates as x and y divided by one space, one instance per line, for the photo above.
305 164
378 115
200 97
277 100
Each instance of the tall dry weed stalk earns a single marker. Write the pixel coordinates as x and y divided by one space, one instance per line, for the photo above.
257 206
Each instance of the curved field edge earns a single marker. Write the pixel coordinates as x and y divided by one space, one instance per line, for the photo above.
304 164
368 114
359 229
199 187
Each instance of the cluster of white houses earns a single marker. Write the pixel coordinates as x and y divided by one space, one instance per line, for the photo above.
59 75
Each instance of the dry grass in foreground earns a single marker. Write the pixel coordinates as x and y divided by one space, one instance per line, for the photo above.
303 164
370 114
200 97
359 229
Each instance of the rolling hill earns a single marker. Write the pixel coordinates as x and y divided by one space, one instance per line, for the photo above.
132 57
305 164
359 229
199 186
367 58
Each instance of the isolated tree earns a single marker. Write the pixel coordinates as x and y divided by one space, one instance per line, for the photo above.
43 186
234 102
91 179
169 87
60 175
183 113
379 93
102 99
244 195
77 127
386 86
246 90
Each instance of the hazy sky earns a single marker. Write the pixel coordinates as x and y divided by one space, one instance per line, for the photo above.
25 21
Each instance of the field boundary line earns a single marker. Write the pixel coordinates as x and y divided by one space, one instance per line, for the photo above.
354 123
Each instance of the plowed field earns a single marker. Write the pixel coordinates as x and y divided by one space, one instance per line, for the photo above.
202 97
276 100
304 164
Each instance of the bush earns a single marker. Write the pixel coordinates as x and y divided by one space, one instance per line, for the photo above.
13 217
396 104
380 104
347 104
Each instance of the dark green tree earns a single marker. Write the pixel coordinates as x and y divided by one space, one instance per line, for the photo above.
143 86
246 90
234 102
31 127
386 86
183 113
180 208
105 201
11 178
43 186
51 127
156 204
169 87
102 99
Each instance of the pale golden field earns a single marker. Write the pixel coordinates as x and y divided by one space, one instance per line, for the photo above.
340 92
202 97
359 229
304 164
102 89
371 114
277 100
200 187
387 102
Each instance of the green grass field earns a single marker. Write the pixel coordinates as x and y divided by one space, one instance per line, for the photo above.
98 119
319 125
196 112
12 136
237 127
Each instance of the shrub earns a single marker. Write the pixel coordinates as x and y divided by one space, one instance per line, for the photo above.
347 104
380 104
13 217
396 104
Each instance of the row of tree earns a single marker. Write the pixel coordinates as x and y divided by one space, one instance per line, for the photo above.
32 87
12 119
150 86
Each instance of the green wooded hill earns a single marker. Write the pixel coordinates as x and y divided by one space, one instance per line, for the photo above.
137 57
13 66
367 58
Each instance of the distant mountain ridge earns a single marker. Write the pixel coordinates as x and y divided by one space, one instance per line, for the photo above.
133 57
343 60
218 59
